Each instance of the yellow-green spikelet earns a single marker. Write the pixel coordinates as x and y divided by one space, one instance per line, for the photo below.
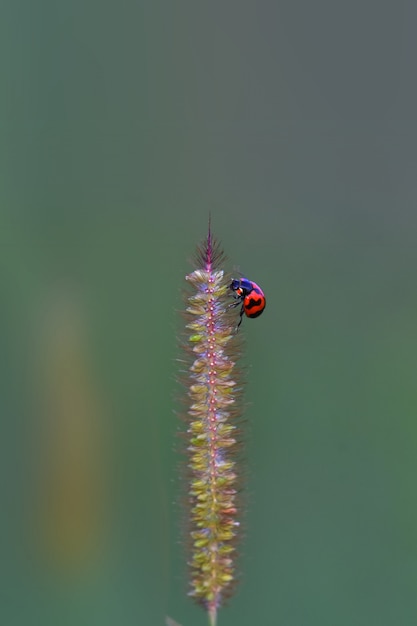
212 433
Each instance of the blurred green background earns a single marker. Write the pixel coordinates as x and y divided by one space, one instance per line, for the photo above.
122 125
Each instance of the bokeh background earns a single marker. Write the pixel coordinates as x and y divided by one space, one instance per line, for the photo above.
122 125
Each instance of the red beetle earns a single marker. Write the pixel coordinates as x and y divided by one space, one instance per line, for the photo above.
250 295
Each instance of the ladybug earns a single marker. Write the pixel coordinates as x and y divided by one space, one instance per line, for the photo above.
250 295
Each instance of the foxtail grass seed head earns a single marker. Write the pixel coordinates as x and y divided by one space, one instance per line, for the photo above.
214 407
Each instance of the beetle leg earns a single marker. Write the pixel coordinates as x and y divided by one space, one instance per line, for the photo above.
242 310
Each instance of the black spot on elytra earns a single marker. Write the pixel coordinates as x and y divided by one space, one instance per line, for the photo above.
254 303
